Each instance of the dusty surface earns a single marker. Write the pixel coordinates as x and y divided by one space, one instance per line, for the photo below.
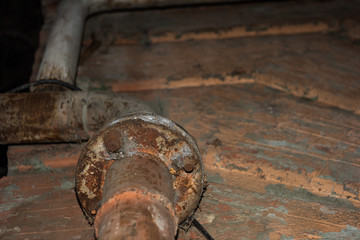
270 92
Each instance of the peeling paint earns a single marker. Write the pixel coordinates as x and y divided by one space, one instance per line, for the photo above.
287 237
34 164
16 202
348 233
327 210
281 209
66 184
301 194
273 216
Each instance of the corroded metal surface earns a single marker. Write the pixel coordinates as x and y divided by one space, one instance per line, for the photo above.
138 200
60 116
63 47
144 134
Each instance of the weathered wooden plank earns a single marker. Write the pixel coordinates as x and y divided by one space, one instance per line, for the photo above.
219 22
278 167
235 206
41 206
240 207
38 199
321 68
261 132
317 67
42 158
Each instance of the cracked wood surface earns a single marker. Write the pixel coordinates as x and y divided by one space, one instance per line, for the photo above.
278 167
307 49
270 92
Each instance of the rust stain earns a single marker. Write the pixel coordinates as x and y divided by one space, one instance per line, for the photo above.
141 134
138 213
311 181
112 140
239 32
163 83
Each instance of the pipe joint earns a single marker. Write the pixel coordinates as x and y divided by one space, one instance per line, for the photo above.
144 166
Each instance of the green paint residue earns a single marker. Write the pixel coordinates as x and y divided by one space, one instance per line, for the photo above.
66 184
10 201
349 232
215 178
287 238
35 163
234 166
327 210
327 178
7 192
301 194
281 209
280 219
279 161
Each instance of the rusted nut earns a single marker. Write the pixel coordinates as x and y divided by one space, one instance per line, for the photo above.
139 134
188 168
112 141
189 164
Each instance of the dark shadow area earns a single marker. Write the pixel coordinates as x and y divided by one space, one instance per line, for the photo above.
20 24
4 161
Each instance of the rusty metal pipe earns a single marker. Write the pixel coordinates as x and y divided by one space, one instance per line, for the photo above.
138 177
63 47
60 116
138 200
141 174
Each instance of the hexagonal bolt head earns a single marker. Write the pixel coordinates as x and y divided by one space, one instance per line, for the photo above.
189 164
112 140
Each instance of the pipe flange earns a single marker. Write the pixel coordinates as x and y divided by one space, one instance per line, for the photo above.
141 133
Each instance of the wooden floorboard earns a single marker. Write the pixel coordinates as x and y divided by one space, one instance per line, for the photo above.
315 66
270 92
272 171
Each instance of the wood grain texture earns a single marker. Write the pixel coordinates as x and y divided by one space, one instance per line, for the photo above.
317 67
259 131
220 22
278 167
38 200
306 49
270 92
